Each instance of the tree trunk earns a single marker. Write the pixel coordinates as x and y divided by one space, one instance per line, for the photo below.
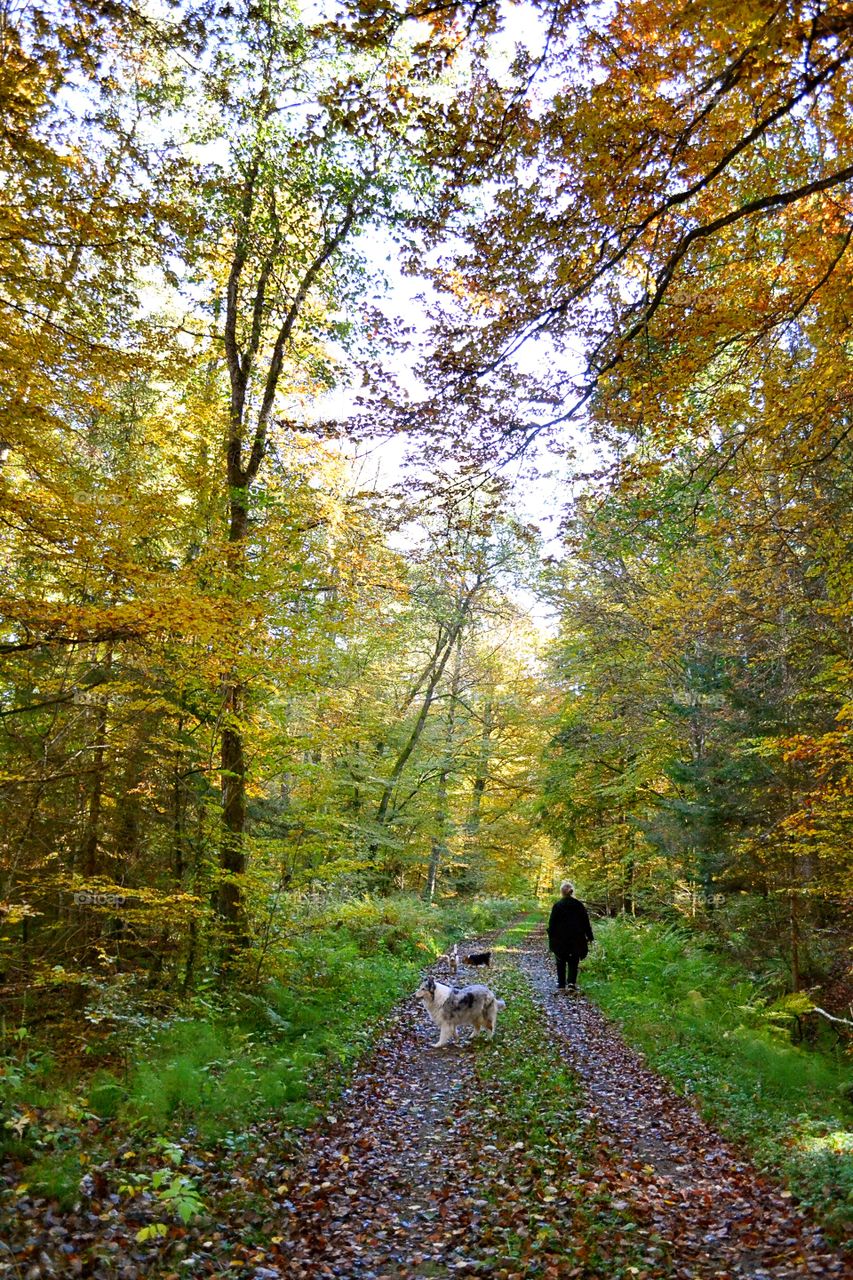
178 814
230 902
246 295
439 840
193 938
794 904
628 905
472 825
89 860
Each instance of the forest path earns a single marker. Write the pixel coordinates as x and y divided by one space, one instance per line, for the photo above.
549 1153
410 1179
719 1214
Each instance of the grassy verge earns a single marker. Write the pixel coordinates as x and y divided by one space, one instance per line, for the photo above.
559 1206
700 1024
218 1064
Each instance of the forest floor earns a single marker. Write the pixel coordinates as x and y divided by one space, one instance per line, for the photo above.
551 1152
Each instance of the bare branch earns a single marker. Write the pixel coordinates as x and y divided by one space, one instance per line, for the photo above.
845 1022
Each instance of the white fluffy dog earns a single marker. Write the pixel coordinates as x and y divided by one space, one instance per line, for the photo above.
450 1009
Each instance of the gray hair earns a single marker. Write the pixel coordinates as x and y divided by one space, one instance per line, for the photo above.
567 888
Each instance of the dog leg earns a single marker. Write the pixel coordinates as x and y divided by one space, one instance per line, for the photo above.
447 1034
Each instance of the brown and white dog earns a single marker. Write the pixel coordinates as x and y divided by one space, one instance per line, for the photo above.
451 1008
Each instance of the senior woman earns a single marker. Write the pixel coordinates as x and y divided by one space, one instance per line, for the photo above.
569 935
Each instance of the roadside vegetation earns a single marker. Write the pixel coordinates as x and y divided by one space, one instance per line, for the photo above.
730 1042
219 1062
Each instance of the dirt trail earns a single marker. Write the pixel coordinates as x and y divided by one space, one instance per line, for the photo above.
722 1217
396 1201
406 1178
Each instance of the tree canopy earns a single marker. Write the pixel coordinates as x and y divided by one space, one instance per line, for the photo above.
233 671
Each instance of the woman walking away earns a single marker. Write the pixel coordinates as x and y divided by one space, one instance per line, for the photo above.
569 933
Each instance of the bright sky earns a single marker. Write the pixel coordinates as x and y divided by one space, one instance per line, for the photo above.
542 480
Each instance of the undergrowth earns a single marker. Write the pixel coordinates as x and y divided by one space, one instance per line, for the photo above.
709 1031
215 1063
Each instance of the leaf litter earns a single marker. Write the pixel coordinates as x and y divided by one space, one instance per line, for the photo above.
551 1152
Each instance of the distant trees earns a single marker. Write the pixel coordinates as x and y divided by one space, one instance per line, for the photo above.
417 764
665 253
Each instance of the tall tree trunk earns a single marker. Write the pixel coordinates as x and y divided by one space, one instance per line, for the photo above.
628 904
178 813
89 860
794 920
475 812
193 933
231 905
355 801
628 889
251 277
789 722
129 816
442 817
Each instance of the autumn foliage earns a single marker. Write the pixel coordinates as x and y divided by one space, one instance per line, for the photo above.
235 669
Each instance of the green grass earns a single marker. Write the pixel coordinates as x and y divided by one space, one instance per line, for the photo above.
217 1075
56 1176
713 1035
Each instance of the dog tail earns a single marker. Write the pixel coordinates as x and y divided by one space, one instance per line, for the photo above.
500 1003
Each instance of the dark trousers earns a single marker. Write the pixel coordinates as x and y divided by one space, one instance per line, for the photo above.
572 965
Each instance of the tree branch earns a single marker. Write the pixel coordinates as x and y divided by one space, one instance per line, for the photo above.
274 373
845 1022
764 204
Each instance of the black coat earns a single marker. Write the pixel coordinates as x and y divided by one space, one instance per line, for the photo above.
569 930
